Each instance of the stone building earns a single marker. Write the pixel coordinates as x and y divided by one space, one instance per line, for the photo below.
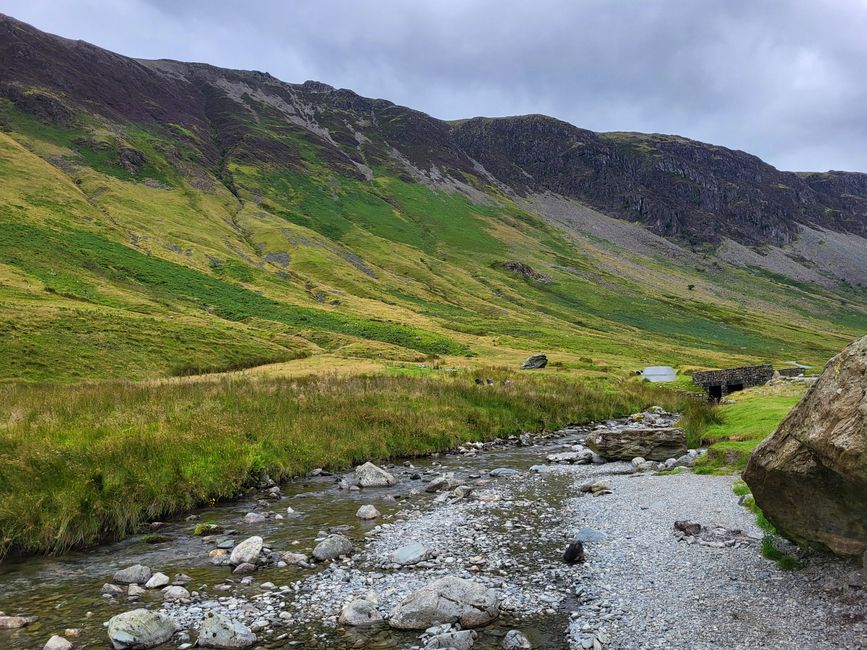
719 383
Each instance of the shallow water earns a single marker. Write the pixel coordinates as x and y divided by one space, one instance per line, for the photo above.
64 592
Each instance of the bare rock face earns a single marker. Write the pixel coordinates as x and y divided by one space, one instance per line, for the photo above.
810 476
657 444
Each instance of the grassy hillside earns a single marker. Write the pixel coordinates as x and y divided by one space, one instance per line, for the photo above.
167 265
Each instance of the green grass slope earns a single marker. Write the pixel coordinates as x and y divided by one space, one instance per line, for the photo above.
133 266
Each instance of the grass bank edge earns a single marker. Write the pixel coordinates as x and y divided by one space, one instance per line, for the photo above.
88 463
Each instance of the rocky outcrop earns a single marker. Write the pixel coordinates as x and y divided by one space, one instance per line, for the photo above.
535 362
140 628
657 444
810 477
447 600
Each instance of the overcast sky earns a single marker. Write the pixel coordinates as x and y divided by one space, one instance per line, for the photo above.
785 80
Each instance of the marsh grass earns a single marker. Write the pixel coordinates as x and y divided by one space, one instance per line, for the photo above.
84 463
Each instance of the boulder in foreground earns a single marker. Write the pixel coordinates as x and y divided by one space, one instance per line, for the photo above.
810 477
657 444
140 628
447 600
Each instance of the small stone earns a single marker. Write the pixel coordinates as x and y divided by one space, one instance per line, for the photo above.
57 643
244 568
175 592
157 581
574 552
452 640
411 553
332 547
136 573
368 512
247 551
503 471
515 640
14 622
360 612
109 589
688 527
219 631
134 591
254 518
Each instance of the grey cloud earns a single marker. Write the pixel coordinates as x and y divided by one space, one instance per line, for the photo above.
781 79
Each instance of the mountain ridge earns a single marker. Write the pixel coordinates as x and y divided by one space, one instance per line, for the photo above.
289 220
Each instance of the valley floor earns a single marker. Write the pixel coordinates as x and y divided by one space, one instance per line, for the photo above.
642 585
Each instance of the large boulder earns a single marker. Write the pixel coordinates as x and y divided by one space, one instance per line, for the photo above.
447 600
140 628
219 631
650 443
535 362
369 475
810 476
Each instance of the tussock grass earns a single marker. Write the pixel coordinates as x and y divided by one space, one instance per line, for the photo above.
84 463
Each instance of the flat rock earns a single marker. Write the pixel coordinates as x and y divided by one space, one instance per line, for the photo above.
590 535
503 471
411 553
219 631
140 628
649 443
447 600
247 551
14 622
137 573
452 640
370 476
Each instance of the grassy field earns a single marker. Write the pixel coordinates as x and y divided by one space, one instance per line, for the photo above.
739 427
79 464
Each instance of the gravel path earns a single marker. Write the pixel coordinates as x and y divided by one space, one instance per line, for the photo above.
669 594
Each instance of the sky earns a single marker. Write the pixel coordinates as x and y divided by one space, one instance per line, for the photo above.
783 79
